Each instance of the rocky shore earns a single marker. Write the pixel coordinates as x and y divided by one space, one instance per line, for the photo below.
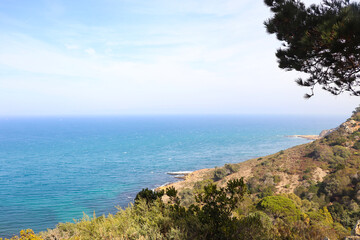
314 137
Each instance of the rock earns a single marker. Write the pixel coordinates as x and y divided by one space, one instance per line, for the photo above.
356 230
350 126
326 238
324 133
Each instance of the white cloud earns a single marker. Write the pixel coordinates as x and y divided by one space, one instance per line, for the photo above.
71 46
211 7
217 65
90 51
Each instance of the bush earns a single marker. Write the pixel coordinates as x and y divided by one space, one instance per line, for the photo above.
149 195
338 141
219 173
27 234
199 186
265 163
306 177
322 153
267 191
357 145
256 225
280 206
187 197
341 152
231 168
217 206
277 179
356 117
322 215
334 185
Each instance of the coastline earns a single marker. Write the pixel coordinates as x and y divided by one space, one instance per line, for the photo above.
290 159
308 137
246 169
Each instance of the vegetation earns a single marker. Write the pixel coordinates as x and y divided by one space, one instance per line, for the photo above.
217 214
321 40
27 234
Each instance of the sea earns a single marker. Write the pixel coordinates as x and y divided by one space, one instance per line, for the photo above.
55 169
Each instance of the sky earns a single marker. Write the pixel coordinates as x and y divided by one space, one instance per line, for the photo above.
125 57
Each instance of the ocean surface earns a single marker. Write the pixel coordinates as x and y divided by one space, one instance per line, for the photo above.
54 169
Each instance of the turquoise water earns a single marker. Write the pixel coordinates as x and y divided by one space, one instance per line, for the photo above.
54 169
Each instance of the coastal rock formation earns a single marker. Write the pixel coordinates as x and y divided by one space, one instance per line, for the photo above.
324 133
308 137
355 232
350 126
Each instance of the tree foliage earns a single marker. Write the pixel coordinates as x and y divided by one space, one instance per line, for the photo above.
216 206
322 41
149 195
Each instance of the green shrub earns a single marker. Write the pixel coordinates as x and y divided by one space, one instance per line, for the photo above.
266 191
340 166
356 117
322 153
341 151
322 215
277 179
219 173
357 145
199 186
231 168
171 192
265 163
340 141
27 234
149 195
335 184
187 197
306 177
256 225
280 206
217 206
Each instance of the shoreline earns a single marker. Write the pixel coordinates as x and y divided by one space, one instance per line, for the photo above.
247 165
308 137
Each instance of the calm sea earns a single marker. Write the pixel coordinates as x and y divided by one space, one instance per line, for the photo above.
54 169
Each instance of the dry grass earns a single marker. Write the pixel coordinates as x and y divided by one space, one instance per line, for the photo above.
290 165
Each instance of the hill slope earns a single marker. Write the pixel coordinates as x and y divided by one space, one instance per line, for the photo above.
289 169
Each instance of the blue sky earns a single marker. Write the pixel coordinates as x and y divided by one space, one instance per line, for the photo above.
146 57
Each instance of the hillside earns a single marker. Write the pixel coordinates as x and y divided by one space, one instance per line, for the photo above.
310 191
289 169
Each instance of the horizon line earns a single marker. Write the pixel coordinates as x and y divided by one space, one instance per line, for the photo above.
165 115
